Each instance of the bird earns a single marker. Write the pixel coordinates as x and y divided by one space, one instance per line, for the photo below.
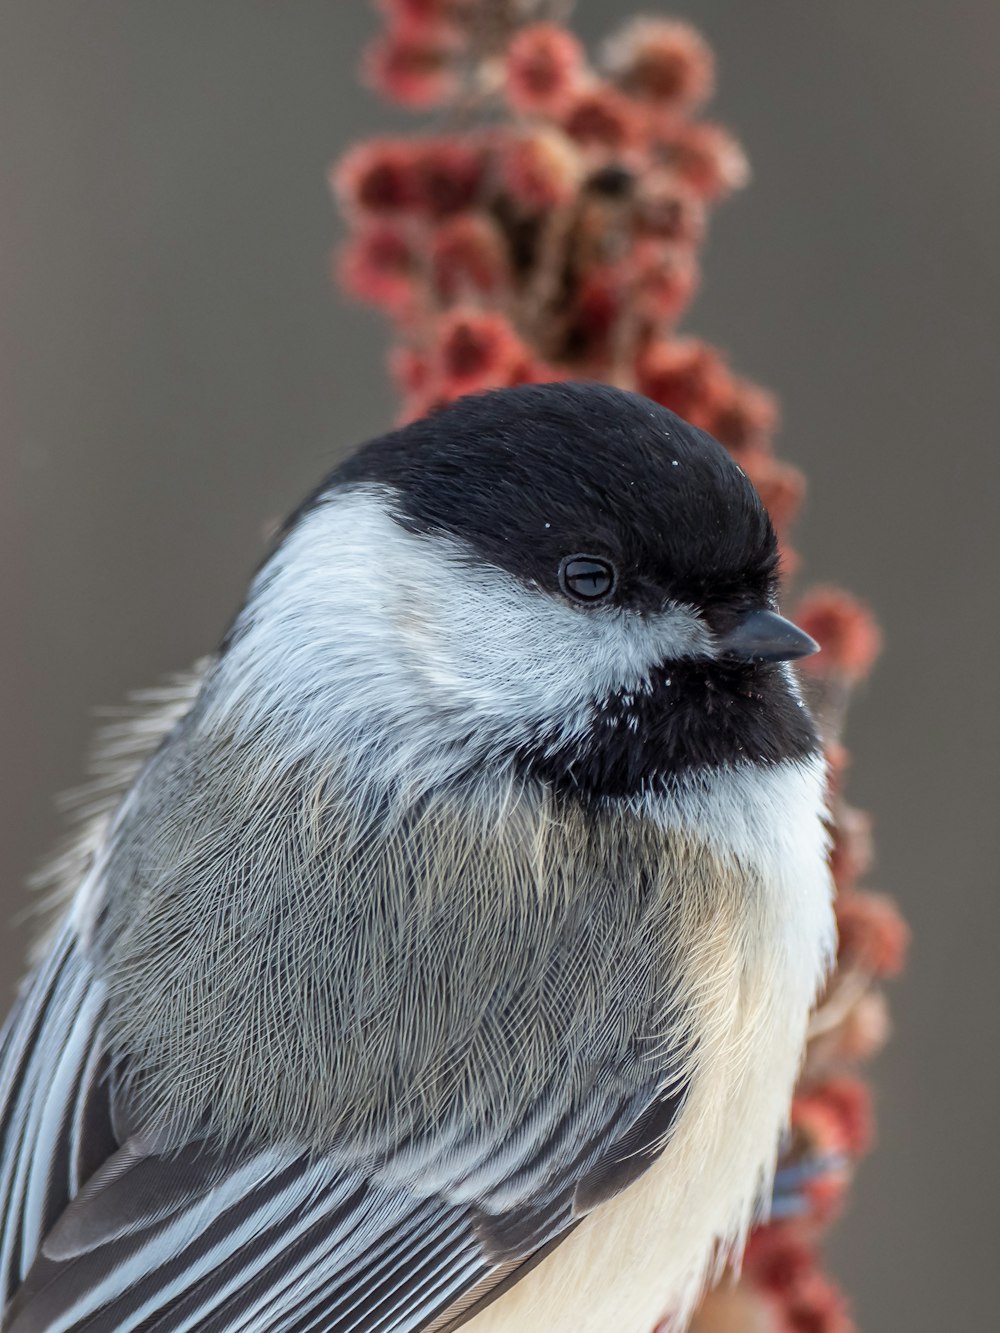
439 952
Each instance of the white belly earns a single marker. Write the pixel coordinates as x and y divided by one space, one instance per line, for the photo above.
755 969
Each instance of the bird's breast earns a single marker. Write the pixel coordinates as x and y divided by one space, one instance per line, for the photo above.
755 940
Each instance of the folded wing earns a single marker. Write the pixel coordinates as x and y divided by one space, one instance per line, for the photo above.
102 1235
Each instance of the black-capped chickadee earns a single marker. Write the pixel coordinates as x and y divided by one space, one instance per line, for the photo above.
448 959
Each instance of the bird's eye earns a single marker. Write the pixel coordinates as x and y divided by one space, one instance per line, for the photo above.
586 578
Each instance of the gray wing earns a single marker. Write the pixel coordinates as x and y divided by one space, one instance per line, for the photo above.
102 1235
51 1088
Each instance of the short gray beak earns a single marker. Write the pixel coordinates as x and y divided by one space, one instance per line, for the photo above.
764 636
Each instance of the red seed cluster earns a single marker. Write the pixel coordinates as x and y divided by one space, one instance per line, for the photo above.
786 1270
415 68
553 230
782 1290
872 935
845 630
667 63
543 65
574 201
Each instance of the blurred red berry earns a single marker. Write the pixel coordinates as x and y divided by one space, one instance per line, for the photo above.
744 417
817 1130
851 852
599 296
816 1306
872 933
835 1117
667 208
412 67
781 486
845 630
685 375
468 254
663 279
706 156
448 176
477 350
529 369
851 1102
539 168
543 64
664 60
778 1257
379 264
376 177
864 1030
410 369
601 117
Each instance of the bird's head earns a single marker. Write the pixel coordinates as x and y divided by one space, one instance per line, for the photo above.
564 580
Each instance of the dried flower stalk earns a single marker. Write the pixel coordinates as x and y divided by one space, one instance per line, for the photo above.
551 229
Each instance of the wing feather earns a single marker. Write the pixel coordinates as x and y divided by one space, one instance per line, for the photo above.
49 1075
102 1237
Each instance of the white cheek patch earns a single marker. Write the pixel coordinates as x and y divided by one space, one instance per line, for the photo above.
356 623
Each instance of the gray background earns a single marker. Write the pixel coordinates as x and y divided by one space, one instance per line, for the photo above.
175 371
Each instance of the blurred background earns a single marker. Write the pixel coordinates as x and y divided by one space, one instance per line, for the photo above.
175 370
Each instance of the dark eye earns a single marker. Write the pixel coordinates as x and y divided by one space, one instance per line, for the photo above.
586 578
